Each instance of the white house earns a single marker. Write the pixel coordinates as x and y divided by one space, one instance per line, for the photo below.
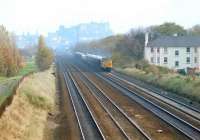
174 52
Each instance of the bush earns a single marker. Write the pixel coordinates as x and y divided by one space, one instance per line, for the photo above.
142 64
44 56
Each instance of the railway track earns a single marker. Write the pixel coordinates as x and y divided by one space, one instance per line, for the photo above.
88 127
190 128
189 114
128 127
106 123
184 127
193 111
69 120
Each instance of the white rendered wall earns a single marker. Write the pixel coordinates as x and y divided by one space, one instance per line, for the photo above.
172 57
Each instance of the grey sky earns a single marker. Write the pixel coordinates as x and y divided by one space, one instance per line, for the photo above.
47 15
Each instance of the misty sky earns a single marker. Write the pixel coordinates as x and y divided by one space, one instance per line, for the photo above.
46 15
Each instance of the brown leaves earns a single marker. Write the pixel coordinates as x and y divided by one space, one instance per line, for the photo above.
10 58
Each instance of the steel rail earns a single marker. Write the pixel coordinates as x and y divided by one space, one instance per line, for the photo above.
72 102
114 104
191 132
81 95
74 108
110 115
195 117
162 95
84 135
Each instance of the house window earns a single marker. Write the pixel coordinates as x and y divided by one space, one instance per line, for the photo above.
176 52
165 60
165 50
176 63
152 60
158 50
188 60
195 50
152 50
158 60
188 50
195 60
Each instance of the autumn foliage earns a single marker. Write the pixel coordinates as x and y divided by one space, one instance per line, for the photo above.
44 55
10 58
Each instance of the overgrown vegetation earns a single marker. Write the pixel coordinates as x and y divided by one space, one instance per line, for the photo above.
44 55
173 82
7 83
10 58
6 87
38 95
26 117
127 55
124 49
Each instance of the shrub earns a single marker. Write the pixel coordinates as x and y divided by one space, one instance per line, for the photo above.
152 69
142 64
44 56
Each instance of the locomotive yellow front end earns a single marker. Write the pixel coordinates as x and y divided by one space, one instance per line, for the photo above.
106 64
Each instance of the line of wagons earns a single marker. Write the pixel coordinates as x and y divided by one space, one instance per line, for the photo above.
105 63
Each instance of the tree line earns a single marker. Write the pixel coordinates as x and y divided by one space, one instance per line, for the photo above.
129 47
10 59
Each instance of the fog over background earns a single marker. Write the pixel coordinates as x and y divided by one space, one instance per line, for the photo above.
46 15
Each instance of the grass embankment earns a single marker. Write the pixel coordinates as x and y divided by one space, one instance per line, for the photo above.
184 86
7 83
25 118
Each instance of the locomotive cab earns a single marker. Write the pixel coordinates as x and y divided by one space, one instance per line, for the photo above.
106 64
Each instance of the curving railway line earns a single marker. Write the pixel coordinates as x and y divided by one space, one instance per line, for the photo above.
191 130
100 113
189 114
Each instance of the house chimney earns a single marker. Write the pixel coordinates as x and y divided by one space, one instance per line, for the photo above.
146 38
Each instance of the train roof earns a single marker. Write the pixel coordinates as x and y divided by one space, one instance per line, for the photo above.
95 56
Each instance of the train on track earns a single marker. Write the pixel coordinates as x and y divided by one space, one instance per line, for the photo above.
105 63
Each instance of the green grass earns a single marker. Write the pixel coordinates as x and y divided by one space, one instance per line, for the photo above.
30 67
182 85
7 90
8 83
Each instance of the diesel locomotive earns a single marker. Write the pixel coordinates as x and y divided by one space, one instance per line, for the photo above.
105 63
